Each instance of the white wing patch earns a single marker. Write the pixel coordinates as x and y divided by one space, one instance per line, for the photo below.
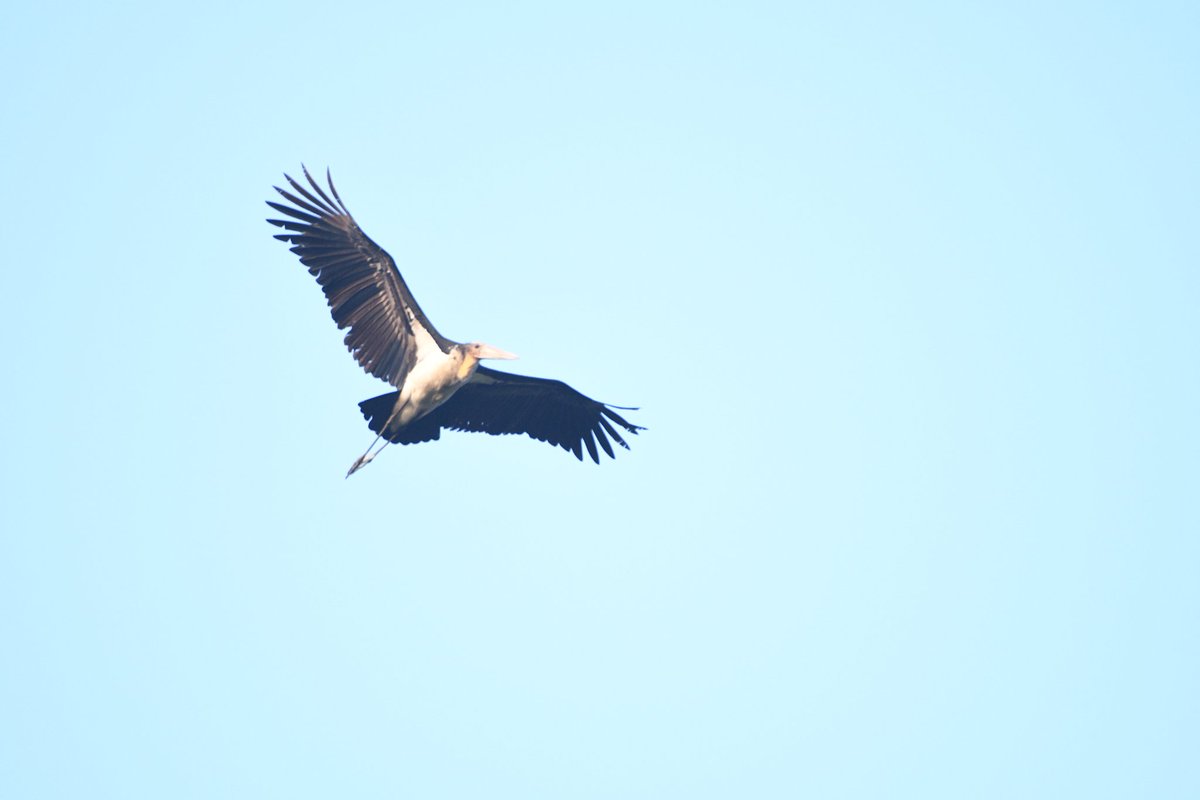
426 346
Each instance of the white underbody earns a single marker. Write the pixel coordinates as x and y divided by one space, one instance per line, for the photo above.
432 381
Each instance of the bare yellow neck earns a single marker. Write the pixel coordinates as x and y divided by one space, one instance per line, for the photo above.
468 363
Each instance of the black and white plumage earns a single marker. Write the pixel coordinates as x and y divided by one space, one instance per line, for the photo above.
439 382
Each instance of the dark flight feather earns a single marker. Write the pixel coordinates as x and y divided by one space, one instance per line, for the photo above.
502 403
365 291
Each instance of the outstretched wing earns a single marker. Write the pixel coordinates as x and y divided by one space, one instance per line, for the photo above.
388 332
550 411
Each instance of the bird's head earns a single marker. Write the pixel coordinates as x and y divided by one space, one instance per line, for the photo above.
476 350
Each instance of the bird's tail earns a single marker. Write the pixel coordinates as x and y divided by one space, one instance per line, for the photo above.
378 409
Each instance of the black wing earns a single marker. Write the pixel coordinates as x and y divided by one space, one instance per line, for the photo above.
366 294
378 410
550 411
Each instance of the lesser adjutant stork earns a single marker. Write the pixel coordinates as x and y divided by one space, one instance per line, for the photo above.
439 382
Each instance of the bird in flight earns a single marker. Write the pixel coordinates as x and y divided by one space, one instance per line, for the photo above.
439 382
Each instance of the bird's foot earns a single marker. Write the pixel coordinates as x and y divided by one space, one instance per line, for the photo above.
362 461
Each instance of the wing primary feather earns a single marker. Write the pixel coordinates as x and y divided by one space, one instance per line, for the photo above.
291 212
589 440
613 433
333 189
299 187
310 205
332 206
603 440
608 412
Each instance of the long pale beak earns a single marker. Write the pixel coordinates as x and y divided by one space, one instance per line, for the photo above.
487 351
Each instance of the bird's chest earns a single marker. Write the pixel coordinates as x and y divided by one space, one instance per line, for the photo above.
431 383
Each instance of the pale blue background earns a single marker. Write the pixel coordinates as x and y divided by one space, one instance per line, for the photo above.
907 294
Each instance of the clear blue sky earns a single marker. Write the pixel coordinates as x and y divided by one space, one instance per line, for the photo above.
907 295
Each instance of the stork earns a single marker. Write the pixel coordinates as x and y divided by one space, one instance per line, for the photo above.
439 382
